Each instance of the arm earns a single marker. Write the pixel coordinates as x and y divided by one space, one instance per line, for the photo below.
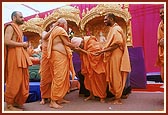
111 48
66 42
45 34
9 32
78 49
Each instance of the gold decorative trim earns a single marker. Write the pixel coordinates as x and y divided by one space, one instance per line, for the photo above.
33 25
30 27
119 10
36 21
78 25
48 20
68 12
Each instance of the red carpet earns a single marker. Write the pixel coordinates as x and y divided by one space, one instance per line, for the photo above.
151 88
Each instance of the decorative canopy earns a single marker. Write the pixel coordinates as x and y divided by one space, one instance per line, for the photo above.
33 25
91 21
103 9
68 12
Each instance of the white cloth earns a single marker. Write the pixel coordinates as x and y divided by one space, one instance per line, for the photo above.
38 49
76 41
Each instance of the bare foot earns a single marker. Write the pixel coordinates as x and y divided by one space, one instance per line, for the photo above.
116 102
102 100
48 100
124 96
42 102
63 101
53 104
12 108
18 106
89 98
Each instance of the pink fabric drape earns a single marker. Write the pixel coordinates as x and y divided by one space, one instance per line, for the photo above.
145 20
84 7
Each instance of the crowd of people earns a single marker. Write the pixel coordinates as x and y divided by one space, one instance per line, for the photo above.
102 66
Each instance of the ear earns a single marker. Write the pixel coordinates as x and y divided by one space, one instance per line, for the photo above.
14 17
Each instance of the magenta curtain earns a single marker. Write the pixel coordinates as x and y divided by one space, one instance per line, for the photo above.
145 20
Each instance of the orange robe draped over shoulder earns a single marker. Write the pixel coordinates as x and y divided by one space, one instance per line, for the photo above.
45 73
61 66
116 61
93 68
160 35
16 71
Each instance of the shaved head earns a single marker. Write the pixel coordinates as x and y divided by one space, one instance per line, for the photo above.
62 23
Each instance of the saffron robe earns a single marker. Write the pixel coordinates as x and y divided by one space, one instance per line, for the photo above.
45 73
61 66
16 71
93 68
116 61
160 35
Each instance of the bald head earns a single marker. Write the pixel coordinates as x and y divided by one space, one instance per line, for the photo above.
17 17
62 23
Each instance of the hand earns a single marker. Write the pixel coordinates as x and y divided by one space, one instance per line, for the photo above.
98 53
25 44
76 48
94 53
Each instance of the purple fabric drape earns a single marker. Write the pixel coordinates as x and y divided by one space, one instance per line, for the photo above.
138 70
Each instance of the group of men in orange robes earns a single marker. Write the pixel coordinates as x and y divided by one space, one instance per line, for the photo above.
105 65
56 64
57 55
101 66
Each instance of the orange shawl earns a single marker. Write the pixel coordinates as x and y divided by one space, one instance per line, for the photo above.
23 59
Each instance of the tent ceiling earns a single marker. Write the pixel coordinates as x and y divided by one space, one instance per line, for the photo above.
27 8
